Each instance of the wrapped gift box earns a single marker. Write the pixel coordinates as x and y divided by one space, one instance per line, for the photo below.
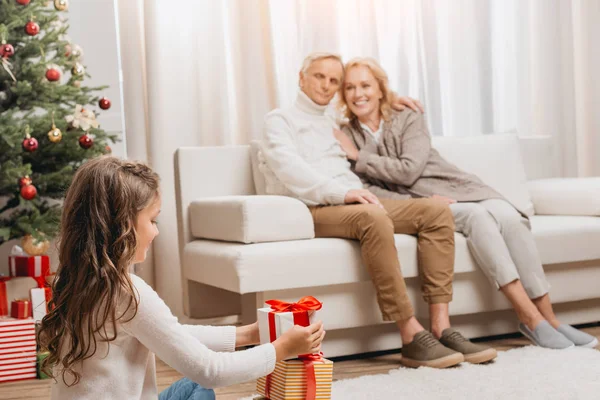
14 288
17 349
277 317
289 380
39 304
34 266
40 357
20 308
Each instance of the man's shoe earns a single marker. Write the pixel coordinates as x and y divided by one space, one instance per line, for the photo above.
474 353
426 351
581 339
544 335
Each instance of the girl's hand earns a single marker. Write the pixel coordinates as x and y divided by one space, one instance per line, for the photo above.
346 144
299 340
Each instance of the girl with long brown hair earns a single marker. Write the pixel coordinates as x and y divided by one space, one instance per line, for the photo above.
106 324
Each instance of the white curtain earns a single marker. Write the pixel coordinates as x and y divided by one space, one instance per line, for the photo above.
200 72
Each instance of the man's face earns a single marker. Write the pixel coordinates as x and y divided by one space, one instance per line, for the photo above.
322 80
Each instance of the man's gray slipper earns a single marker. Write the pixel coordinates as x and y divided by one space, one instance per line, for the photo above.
544 335
581 339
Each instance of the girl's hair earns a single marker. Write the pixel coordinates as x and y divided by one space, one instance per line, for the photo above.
97 245
385 104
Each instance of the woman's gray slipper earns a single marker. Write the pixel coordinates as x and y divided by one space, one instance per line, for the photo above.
544 335
581 339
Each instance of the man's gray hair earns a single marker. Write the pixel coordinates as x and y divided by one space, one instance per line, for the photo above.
312 57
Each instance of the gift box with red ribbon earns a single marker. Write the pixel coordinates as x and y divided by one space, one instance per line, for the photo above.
309 378
14 288
280 316
34 266
17 349
20 309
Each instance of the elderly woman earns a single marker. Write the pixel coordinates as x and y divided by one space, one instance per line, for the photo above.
391 152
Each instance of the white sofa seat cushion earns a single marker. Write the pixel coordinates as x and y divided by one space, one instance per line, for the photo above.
563 239
566 196
251 219
296 264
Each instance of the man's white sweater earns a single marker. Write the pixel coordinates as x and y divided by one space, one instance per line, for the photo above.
125 368
302 158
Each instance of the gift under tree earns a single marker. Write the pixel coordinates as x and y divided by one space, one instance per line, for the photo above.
48 121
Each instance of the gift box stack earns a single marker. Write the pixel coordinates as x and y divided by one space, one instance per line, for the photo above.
24 297
310 376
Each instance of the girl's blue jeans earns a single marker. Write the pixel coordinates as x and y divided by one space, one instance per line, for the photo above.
184 389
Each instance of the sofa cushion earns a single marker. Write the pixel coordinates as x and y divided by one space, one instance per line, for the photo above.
250 219
562 239
566 196
496 159
295 264
328 261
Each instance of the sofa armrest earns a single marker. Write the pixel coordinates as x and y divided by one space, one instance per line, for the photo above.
251 219
566 196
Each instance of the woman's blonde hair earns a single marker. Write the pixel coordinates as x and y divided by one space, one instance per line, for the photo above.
96 249
385 104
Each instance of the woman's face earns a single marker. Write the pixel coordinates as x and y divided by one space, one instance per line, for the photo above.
146 229
362 92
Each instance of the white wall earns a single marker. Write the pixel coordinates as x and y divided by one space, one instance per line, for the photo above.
93 27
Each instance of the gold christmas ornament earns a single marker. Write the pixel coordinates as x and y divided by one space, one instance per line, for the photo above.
34 247
54 135
78 69
77 84
61 5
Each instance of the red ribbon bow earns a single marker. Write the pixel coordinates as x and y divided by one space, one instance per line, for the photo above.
306 303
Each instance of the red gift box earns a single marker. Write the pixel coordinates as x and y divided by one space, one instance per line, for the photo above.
14 288
34 266
20 309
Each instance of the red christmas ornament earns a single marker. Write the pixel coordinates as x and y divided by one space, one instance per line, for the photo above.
104 103
24 181
28 192
30 144
23 2
52 74
32 28
86 141
7 50
107 150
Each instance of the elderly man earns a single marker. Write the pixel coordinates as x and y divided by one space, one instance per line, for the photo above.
304 160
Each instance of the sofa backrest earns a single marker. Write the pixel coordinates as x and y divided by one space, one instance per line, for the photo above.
496 159
221 171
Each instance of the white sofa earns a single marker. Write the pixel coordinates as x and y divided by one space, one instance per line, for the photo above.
239 249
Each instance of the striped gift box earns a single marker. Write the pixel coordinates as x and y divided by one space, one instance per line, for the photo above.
288 381
17 349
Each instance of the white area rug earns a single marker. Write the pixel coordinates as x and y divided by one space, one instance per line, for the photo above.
529 373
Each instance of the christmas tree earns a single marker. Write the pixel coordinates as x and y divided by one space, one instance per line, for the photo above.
48 121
